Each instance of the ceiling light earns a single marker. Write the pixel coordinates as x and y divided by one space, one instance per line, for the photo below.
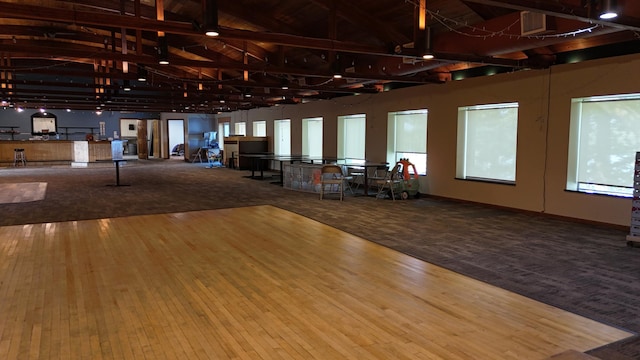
425 45
608 10
163 51
126 86
211 18
336 68
142 73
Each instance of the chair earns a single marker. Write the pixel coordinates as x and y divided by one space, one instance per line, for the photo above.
331 181
356 175
197 155
348 179
391 183
19 158
379 173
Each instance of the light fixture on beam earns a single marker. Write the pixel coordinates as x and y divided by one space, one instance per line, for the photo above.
210 12
163 51
608 9
336 68
142 73
425 48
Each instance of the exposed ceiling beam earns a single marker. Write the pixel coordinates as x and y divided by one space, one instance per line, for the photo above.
573 11
117 21
492 40
65 53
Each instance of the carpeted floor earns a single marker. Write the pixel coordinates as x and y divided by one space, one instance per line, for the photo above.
586 269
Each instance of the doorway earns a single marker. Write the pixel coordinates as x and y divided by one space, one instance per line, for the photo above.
176 139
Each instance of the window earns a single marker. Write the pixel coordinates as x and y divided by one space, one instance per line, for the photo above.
407 138
240 128
282 137
260 128
312 137
351 136
603 140
487 139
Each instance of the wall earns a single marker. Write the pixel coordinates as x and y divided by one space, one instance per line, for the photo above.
197 125
544 98
81 119
194 124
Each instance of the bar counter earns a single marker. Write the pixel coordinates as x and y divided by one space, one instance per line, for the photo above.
55 150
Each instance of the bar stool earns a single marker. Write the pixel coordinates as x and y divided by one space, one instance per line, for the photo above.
19 157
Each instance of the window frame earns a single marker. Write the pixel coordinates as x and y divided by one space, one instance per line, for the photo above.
307 146
345 132
463 144
577 153
393 155
278 141
259 128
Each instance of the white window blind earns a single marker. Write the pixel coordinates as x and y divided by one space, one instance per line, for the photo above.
487 142
260 128
312 137
351 136
407 138
282 137
240 128
604 138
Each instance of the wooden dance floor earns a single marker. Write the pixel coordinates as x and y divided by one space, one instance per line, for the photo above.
255 283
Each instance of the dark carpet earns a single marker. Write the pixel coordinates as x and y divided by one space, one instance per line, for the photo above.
583 268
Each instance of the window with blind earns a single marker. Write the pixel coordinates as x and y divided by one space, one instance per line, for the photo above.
487 142
282 137
312 137
240 128
351 136
260 128
407 138
603 140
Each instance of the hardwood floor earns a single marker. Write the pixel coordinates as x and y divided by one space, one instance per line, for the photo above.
255 283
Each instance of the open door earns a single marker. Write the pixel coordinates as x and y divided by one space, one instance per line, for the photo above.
143 146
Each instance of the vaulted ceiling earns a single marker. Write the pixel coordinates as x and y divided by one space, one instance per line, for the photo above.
87 54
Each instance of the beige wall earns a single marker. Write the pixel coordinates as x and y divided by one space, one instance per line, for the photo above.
544 98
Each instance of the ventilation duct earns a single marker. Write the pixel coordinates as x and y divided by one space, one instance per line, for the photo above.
532 23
